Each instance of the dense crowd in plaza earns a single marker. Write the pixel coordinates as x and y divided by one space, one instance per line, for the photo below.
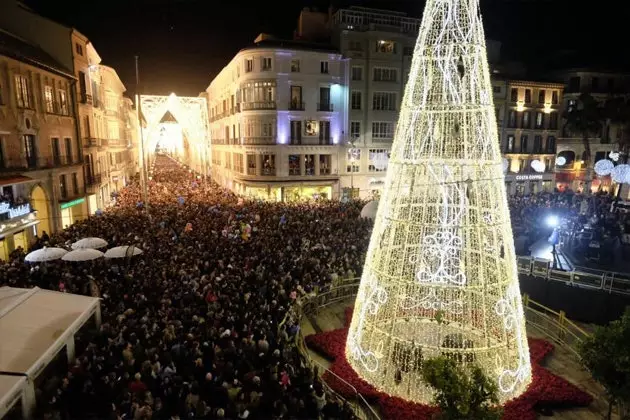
191 327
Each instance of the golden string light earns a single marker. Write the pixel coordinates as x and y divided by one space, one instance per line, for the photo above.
440 273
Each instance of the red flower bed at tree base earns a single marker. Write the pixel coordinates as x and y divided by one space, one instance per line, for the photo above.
545 390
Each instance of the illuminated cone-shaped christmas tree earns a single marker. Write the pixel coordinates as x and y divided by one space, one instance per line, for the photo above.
440 274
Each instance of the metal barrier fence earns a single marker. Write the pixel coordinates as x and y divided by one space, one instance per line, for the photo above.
552 324
608 281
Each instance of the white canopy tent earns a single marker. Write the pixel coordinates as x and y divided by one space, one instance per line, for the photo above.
35 324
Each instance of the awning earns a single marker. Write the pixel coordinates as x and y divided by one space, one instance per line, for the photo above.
11 388
35 324
15 180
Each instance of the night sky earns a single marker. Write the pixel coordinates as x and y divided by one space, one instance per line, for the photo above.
183 44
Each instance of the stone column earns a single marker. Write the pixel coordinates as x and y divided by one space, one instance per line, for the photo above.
317 165
29 403
259 164
302 165
70 349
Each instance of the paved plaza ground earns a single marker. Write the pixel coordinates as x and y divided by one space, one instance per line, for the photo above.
560 362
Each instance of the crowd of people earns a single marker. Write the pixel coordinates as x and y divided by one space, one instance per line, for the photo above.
191 327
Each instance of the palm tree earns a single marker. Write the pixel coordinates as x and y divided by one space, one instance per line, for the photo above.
586 120
617 112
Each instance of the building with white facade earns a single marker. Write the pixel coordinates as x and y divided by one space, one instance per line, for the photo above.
278 120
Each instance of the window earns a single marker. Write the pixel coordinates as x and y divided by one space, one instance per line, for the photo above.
296 98
68 145
514 95
356 99
355 129
75 183
266 63
63 186
382 130
539 120
512 119
251 164
528 96
382 74
509 146
22 93
551 144
526 119
541 96
387 47
554 97
324 98
269 165
49 99
379 158
1 96
353 160
249 65
496 89
30 150
384 101
325 163
56 150
78 48
295 66
296 132
595 84
355 46
324 133
553 121
524 144
357 73
63 104
238 163
294 165
538 146
323 67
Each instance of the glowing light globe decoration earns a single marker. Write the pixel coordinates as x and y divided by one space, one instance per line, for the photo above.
561 161
538 166
440 272
614 155
620 174
603 167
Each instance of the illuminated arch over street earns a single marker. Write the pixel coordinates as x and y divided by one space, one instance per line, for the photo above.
190 143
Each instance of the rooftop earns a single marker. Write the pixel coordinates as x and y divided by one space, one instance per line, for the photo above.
22 50
269 41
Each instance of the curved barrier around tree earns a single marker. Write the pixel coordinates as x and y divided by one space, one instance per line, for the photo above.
552 324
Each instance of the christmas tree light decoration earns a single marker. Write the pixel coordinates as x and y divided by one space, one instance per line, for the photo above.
440 272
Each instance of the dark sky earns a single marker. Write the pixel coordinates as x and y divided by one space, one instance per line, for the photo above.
183 44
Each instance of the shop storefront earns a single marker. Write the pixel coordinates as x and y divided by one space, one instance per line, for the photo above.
306 192
72 211
18 227
92 203
529 183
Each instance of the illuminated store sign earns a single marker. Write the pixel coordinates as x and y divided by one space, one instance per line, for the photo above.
8 212
529 177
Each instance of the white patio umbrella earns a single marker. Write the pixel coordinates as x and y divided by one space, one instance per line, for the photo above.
122 251
91 243
85 254
46 254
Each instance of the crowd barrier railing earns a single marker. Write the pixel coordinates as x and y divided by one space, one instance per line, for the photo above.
608 281
554 325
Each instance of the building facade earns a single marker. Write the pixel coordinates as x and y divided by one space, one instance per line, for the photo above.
40 153
576 172
528 118
277 118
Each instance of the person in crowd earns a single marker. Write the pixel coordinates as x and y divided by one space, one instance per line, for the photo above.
193 327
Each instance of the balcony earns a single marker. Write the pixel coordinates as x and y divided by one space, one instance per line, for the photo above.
86 99
254 106
37 163
325 107
93 182
296 106
256 141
